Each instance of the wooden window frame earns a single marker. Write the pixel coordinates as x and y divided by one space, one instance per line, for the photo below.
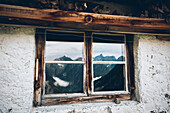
113 62
88 96
66 62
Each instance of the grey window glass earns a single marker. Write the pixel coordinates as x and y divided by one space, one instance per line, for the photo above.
108 52
108 77
64 51
64 78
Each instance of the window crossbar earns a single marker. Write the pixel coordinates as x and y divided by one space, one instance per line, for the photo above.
109 62
64 62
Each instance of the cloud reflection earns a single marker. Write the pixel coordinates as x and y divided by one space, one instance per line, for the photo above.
76 49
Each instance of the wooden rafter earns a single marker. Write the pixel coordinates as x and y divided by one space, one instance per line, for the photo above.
110 22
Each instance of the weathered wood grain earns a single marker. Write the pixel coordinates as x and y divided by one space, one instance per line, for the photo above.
72 16
40 49
130 64
57 18
84 99
22 22
88 44
164 38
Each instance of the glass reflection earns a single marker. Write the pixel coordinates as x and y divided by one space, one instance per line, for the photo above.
64 78
108 52
108 77
64 51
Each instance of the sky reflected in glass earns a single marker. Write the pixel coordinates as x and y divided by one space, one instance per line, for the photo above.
56 50
108 52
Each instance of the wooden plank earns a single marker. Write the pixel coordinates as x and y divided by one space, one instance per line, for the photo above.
22 22
88 44
164 38
130 64
85 99
18 12
72 16
38 84
125 71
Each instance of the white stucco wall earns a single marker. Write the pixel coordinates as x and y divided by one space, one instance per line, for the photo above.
152 74
17 46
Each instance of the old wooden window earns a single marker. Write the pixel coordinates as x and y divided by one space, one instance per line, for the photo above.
76 66
64 64
109 64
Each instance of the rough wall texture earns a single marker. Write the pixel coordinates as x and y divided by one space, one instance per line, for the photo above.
152 73
17 46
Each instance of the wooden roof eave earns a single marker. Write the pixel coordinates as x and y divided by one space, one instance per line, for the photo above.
48 18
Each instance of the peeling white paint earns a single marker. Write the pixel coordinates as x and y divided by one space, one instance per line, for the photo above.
152 77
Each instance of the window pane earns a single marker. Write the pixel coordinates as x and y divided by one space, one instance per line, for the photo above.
64 51
108 77
64 78
108 52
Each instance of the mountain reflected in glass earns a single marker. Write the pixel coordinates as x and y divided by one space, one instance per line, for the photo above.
68 78
56 50
108 77
108 52
64 78
108 58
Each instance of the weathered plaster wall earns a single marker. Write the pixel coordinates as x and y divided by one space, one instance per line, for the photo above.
152 73
17 46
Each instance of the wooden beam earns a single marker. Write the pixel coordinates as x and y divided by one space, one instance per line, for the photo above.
39 81
56 18
130 64
164 38
88 44
85 99
81 27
